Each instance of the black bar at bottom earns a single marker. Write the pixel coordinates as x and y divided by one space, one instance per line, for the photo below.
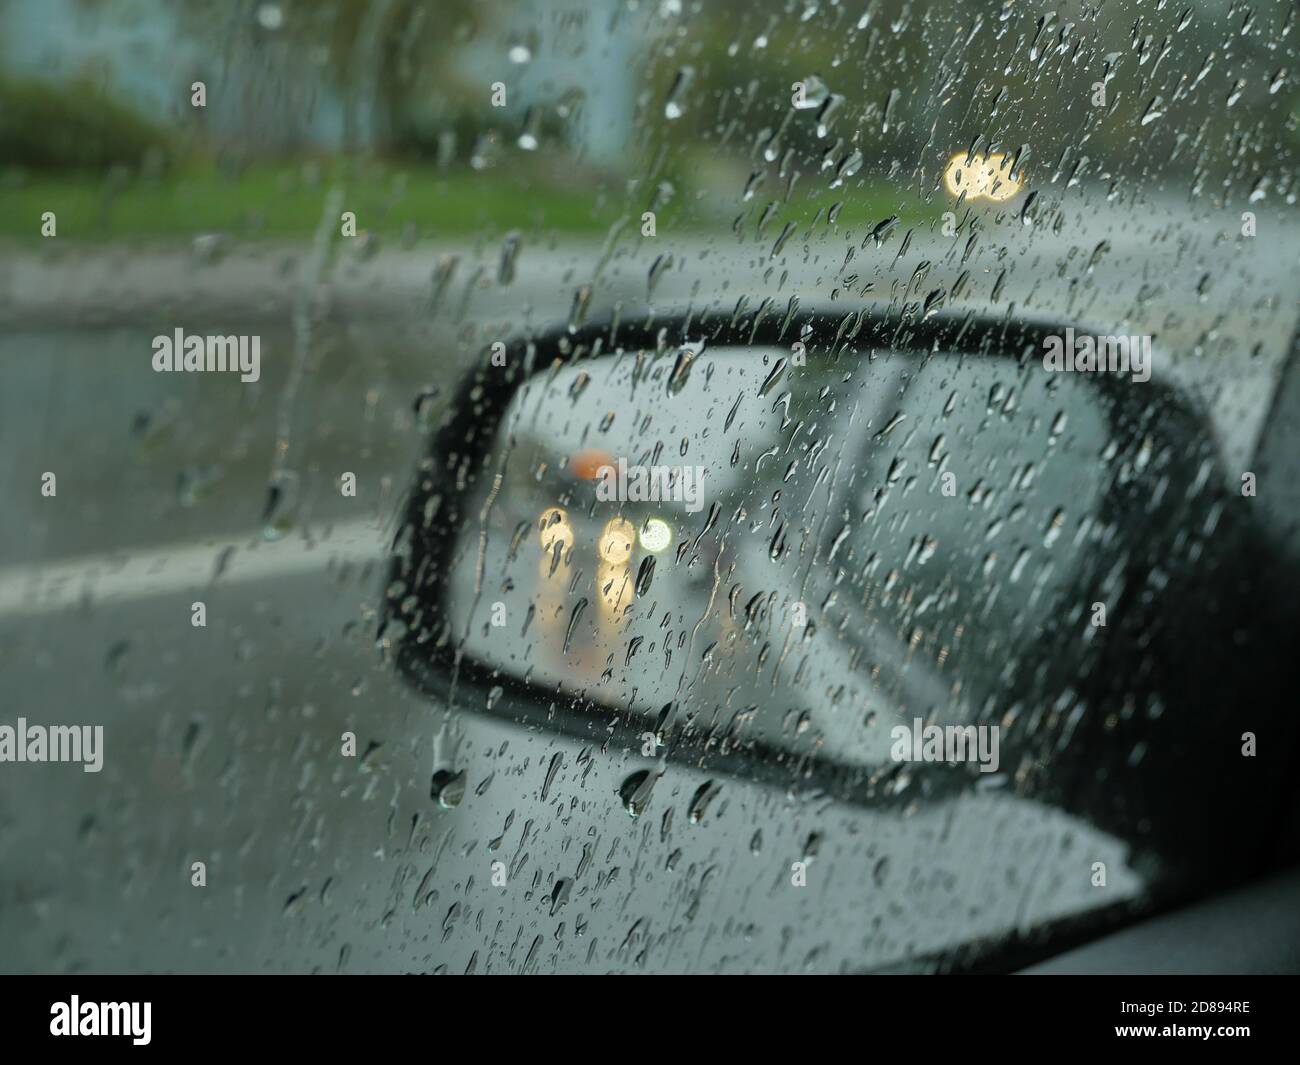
368 1013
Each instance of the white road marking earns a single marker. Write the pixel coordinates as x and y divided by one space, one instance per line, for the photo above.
143 573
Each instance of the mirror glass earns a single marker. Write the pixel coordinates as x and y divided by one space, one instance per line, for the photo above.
798 555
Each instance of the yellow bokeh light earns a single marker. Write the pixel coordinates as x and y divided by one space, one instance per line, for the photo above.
554 526
1003 185
613 588
981 176
616 540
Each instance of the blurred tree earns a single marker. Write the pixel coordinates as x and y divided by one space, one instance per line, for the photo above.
389 62
75 126
394 61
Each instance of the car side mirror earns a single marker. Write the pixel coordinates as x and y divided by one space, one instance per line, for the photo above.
765 545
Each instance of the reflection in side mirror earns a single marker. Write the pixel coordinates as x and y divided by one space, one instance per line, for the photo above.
866 539
763 561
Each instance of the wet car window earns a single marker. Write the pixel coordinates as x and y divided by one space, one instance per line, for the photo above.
658 485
